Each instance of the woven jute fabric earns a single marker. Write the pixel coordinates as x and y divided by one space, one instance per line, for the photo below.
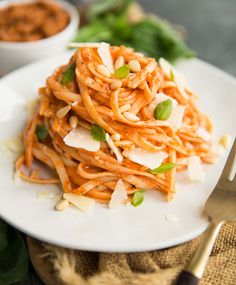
60 266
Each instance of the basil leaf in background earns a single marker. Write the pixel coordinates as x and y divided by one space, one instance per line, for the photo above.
163 168
109 22
122 72
68 74
138 198
98 133
172 75
101 7
41 132
14 259
163 110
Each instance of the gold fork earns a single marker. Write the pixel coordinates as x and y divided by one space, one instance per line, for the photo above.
221 207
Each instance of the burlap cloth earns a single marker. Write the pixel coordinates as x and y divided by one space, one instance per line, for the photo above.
59 266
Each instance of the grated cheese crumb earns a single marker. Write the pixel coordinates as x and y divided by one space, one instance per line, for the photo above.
225 140
171 218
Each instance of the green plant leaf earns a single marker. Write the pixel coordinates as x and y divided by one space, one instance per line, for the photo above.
98 133
68 74
152 36
163 168
163 110
14 259
122 72
138 198
41 132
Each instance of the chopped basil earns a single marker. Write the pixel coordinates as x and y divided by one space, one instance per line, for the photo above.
98 133
68 74
138 198
122 72
163 110
163 168
41 132
172 75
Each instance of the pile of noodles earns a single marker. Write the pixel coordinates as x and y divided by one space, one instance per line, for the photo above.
124 114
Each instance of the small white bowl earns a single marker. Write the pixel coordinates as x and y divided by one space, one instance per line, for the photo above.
17 54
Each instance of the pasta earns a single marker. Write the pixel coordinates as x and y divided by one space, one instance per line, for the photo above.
138 123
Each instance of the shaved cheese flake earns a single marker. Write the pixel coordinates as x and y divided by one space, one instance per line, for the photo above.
195 169
105 55
16 176
204 134
176 117
158 98
114 148
146 158
12 146
118 196
83 203
218 149
179 78
81 138
30 105
166 66
181 89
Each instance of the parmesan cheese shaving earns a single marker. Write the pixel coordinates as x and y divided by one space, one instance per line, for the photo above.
83 203
119 195
12 146
16 177
105 55
176 117
179 78
195 169
81 138
30 106
146 158
158 98
202 133
114 148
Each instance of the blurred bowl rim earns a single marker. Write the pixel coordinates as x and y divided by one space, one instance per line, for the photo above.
73 24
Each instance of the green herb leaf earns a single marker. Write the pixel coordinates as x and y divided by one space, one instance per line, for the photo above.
138 198
163 168
163 110
98 133
122 72
14 259
68 75
172 75
41 132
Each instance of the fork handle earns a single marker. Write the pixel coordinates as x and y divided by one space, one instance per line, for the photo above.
194 270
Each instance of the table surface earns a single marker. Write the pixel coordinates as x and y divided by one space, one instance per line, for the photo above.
211 32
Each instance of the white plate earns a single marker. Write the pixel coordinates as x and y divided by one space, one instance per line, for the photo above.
127 228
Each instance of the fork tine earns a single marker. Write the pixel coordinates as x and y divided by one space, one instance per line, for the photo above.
229 162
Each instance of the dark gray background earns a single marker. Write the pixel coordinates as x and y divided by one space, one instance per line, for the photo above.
210 26
211 32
